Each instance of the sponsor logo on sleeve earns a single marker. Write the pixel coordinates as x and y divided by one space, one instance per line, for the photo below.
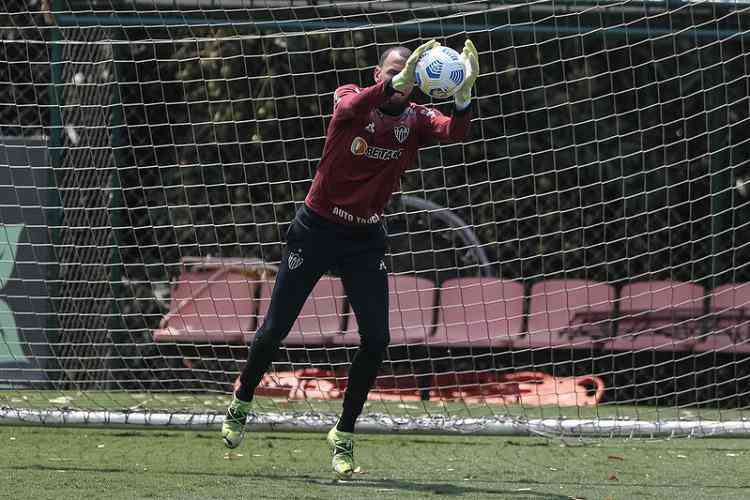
338 96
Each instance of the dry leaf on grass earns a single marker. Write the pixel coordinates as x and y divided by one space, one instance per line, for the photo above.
62 400
615 457
612 477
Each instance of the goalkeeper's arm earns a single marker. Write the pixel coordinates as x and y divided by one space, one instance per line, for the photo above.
350 100
455 128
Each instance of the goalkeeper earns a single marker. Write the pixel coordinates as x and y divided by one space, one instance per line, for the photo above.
373 136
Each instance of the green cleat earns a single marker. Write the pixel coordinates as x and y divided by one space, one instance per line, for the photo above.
233 428
342 452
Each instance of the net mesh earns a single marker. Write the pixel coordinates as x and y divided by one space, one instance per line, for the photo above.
592 229
83 179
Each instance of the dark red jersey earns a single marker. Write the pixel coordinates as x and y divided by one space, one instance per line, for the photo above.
366 151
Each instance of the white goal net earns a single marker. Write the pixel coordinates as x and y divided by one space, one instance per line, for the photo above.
577 266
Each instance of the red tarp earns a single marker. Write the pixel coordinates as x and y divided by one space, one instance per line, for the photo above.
526 388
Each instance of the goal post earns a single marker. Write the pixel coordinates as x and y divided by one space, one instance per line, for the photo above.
578 266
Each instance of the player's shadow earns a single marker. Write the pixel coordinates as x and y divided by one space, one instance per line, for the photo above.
379 484
446 489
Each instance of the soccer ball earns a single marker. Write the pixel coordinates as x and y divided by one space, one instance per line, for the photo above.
440 72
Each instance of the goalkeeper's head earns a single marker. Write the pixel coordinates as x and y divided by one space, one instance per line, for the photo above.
391 62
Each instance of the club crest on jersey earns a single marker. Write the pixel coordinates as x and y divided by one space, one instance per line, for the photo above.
401 132
295 260
370 127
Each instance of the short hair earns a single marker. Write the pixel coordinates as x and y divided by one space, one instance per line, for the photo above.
404 52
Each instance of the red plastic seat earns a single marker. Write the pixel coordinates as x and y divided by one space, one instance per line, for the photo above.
412 304
479 312
729 319
209 306
569 313
662 315
320 318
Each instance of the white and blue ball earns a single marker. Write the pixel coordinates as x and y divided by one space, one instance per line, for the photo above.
440 72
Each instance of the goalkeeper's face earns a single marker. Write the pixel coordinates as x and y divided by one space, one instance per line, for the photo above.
392 66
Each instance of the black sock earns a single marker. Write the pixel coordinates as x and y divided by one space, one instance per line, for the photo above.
362 374
243 393
346 421
259 359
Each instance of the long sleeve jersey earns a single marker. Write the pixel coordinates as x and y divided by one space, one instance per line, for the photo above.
366 151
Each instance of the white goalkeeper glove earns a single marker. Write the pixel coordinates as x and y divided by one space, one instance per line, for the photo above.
470 58
404 81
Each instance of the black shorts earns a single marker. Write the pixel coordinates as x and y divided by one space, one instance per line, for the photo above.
316 246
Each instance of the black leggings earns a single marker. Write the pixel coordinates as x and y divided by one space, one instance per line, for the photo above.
314 246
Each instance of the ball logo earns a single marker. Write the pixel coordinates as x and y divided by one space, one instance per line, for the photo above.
434 69
359 146
457 76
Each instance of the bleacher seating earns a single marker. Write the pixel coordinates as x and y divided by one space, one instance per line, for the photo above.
216 301
569 313
320 319
728 324
209 304
479 312
662 315
412 307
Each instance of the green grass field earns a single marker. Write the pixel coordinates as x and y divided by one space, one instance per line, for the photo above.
61 463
